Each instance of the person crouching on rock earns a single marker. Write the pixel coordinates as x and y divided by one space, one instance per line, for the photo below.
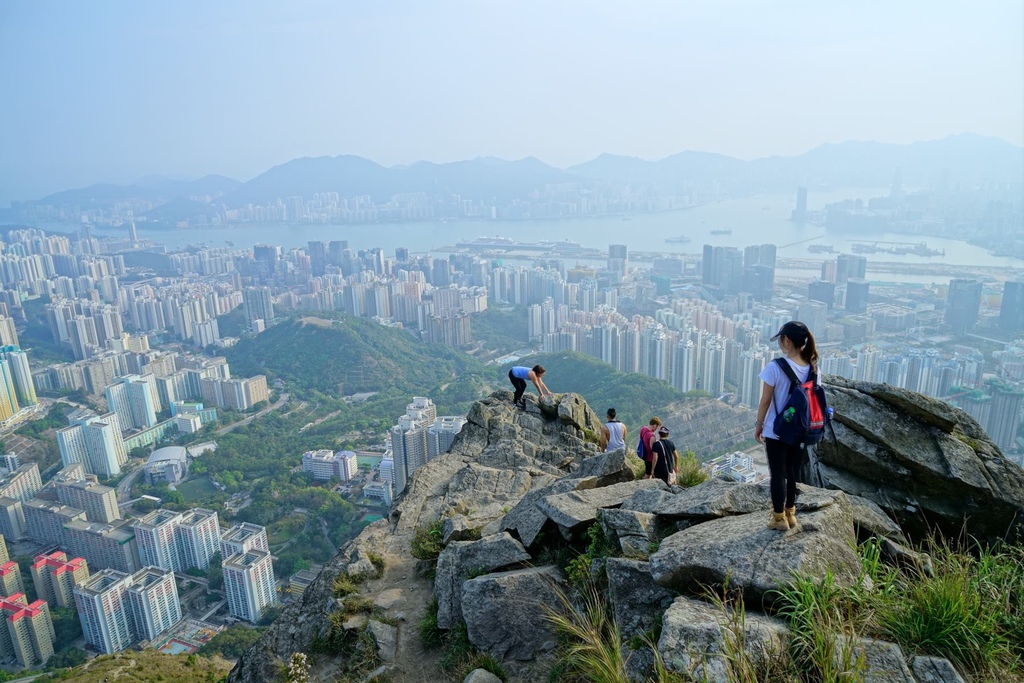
518 376
797 345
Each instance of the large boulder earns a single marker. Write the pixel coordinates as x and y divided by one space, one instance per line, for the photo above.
934 670
638 602
743 551
526 519
719 498
461 559
634 532
924 461
506 614
878 661
694 639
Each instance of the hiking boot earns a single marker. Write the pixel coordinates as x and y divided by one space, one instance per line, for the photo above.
521 404
778 522
790 513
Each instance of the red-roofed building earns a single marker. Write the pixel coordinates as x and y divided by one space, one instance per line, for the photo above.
27 634
10 579
55 577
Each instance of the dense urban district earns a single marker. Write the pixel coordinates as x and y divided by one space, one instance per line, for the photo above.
191 434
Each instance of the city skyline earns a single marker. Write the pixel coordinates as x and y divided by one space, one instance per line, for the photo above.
564 83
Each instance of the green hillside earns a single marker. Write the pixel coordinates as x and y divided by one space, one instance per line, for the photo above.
635 397
345 356
145 667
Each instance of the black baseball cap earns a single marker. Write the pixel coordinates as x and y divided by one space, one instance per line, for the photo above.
663 430
794 330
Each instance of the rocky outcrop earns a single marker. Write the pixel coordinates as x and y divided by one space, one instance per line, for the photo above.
523 491
506 614
925 462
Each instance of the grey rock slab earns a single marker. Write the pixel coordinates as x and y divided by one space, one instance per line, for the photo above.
386 636
871 519
578 507
506 613
639 603
649 500
389 598
693 638
461 559
611 468
481 676
719 498
526 519
755 558
934 670
878 661
633 531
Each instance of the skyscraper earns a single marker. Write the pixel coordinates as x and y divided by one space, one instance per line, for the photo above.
242 538
8 395
21 373
318 257
153 601
133 399
800 212
198 538
1011 312
259 304
963 304
28 636
94 442
618 261
249 584
55 577
820 290
104 612
850 265
155 534
857 295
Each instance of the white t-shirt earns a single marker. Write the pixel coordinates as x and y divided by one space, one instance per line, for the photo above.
774 376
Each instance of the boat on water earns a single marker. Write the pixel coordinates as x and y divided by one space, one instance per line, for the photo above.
821 249
681 239
721 231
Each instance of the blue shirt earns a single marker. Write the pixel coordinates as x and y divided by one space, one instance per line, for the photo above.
519 372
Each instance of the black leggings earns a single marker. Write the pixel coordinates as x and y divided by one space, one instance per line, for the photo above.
519 384
783 463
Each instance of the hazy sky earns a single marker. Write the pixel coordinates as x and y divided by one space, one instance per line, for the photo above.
104 91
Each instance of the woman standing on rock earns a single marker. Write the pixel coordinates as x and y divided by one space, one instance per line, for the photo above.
797 345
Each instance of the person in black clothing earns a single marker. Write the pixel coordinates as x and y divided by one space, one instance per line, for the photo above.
663 462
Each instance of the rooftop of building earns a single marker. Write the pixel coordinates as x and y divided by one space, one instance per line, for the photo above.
241 532
158 518
99 582
196 516
245 560
149 576
167 454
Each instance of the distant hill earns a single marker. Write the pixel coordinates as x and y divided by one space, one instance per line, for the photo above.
636 398
482 178
345 356
212 185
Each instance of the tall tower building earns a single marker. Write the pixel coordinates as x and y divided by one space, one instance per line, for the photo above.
55 577
104 612
198 537
242 538
21 373
850 265
155 534
28 636
132 398
10 579
442 434
1004 419
8 394
963 304
249 584
1011 312
94 442
618 261
153 602
318 256
857 295
259 304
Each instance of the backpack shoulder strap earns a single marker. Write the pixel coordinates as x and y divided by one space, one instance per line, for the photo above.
789 372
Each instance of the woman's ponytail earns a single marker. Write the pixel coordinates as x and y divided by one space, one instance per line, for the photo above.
809 352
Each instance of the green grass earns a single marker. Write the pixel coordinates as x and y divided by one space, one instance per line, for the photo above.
285 529
426 541
197 489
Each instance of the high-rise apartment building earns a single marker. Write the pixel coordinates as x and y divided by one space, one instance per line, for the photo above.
158 546
963 304
249 584
135 401
21 373
98 501
153 602
850 265
55 577
441 435
28 635
12 518
1011 311
110 545
259 305
23 483
10 579
242 538
198 538
104 611
4 555
8 394
857 294
94 442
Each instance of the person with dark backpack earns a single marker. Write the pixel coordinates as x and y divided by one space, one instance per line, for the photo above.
791 415
645 445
